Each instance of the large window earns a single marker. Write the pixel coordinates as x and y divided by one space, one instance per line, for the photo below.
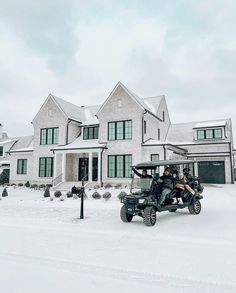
119 166
46 167
120 130
209 133
49 135
90 133
1 151
155 158
22 166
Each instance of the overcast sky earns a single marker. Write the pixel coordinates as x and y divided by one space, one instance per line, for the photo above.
79 50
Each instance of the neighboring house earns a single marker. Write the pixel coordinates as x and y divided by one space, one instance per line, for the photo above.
100 143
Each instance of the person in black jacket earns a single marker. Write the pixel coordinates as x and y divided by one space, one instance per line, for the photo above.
144 173
167 183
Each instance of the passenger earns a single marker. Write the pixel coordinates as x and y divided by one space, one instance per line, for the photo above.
167 183
187 174
182 183
144 173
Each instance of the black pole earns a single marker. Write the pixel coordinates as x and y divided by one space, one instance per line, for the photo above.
82 201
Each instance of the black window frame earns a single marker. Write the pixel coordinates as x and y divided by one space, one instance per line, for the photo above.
124 134
47 135
45 167
115 165
23 169
87 131
213 133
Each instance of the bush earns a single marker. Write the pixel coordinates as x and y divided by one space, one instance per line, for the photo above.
46 192
96 195
20 184
117 186
49 185
42 186
106 195
57 193
121 195
69 194
108 185
4 192
27 184
34 186
62 198
96 186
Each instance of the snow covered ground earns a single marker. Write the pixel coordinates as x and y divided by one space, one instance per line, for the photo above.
45 247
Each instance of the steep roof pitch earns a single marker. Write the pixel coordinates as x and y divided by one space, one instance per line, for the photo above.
149 104
24 143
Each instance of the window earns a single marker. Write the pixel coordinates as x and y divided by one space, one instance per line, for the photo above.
90 133
22 166
209 134
155 158
119 166
49 135
46 167
1 151
120 130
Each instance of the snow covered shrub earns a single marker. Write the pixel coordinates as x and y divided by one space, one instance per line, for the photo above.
49 185
96 186
121 195
46 192
96 195
4 192
69 194
108 185
34 186
106 195
118 186
20 184
57 193
62 198
42 186
75 196
27 184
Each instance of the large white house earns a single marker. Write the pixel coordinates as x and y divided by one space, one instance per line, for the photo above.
100 143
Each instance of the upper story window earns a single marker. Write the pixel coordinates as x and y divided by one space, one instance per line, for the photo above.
119 130
49 135
209 133
1 151
90 133
22 166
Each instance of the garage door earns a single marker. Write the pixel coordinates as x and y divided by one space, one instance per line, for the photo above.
212 172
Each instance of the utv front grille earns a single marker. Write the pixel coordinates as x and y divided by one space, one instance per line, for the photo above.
130 200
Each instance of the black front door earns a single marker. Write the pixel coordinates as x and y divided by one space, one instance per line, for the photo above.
83 168
95 169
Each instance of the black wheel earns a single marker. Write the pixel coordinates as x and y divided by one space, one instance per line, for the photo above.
126 218
195 208
173 210
149 216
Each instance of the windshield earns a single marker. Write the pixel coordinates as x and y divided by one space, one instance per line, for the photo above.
141 184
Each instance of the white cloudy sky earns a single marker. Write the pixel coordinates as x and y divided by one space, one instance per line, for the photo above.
79 50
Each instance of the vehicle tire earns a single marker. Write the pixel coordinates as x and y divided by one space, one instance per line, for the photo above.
195 208
173 210
126 218
149 216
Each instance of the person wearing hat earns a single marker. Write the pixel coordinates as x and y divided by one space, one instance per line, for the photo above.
167 183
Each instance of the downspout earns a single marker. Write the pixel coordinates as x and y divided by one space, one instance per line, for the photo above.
101 168
231 164
67 130
144 112
164 152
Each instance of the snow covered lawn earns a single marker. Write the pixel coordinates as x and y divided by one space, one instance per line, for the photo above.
45 247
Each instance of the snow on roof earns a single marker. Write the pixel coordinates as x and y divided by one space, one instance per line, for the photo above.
9 140
4 163
24 143
79 143
206 124
91 121
74 112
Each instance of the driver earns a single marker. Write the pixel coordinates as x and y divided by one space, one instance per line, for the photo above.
144 173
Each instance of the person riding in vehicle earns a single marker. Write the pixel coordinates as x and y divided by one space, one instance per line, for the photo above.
144 173
167 183
182 183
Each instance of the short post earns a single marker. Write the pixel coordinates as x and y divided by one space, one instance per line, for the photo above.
82 201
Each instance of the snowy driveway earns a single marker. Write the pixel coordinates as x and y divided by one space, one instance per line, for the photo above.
44 247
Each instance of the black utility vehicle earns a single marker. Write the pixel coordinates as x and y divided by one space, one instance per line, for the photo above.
146 192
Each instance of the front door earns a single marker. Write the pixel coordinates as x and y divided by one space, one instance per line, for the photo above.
95 169
83 169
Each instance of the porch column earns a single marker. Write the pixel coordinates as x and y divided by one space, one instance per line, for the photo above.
195 169
55 166
99 167
90 179
63 167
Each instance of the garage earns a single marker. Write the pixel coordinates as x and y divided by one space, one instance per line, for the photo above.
212 172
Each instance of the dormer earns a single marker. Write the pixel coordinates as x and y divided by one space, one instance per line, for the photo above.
210 130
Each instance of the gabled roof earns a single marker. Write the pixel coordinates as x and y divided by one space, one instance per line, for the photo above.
24 144
71 111
149 104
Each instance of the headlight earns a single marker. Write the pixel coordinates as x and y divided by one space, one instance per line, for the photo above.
142 200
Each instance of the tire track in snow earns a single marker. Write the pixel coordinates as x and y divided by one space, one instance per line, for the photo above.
152 279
